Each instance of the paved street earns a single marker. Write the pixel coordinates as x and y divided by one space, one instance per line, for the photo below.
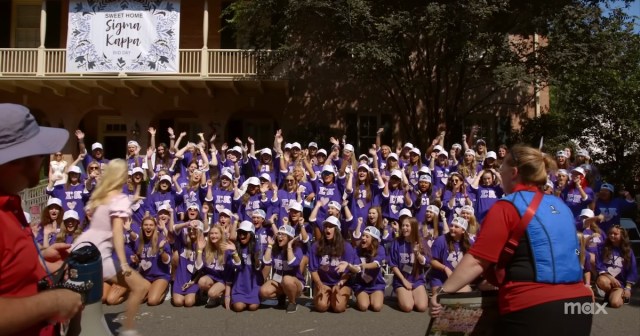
167 320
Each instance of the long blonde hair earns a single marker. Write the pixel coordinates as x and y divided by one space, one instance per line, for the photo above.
113 178
214 251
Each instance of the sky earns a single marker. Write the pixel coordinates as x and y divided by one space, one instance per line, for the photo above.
633 10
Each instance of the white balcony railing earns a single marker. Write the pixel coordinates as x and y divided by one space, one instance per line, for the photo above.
52 63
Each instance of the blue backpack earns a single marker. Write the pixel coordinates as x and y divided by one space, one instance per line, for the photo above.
552 236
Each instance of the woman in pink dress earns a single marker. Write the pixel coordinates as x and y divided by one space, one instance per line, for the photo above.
110 209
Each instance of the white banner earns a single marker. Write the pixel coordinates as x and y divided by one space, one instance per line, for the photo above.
123 36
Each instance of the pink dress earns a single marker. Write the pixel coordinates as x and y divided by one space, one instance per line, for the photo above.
101 234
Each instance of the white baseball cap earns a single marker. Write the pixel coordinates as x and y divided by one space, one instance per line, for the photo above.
312 144
587 213
467 208
562 172
434 209
193 206
96 145
133 143
137 170
333 221
424 170
247 227
444 153
259 213
364 166
226 212
70 214
393 156
396 173
561 153
252 181
227 174
54 201
288 230
287 146
408 145
348 147
373 232
335 204
266 151
405 212
492 155
470 152
438 148
415 151
296 145
293 205
456 146
321 151
328 169
74 169
461 222
579 170
164 207
425 178
266 177
583 152
236 149
166 178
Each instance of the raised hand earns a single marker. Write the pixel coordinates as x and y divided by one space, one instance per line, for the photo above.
149 153
251 141
238 141
170 131
224 147
183 134
79 134
152 131
334 141
380 130
202 242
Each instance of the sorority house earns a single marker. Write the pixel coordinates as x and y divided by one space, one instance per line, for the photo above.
114 67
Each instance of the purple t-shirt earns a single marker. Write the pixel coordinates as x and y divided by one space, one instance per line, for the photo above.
219 272
151 266
393 203
573 199
326 265
186 265
370 280
614 265
282 267
596 241
401 256
612 211
359 204
440 252
247 280
326 193
73 198
485 197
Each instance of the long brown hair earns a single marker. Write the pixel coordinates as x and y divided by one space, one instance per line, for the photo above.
436 226
414 238
45 218
465 245
333 248
379 224
367 188
625 246
371 252
154 237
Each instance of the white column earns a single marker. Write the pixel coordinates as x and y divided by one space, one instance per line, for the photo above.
204 57
43 32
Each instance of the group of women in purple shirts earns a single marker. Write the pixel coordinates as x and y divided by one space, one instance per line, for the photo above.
239 225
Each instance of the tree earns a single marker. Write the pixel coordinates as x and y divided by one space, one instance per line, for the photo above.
430 64
594 67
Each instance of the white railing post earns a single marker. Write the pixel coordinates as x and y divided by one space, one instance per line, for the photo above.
204 58
40 69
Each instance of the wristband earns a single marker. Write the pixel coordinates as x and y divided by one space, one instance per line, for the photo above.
270 246
200 251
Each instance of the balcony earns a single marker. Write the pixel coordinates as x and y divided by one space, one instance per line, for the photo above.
223 64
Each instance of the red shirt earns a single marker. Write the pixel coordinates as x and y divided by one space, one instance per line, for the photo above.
501 219
20 267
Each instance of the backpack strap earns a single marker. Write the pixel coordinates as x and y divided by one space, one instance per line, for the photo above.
514 240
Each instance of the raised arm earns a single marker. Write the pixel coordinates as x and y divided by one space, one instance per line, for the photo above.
172 140
152 142
379 137
81 146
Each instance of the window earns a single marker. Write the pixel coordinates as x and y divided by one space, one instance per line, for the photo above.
26 29
361 130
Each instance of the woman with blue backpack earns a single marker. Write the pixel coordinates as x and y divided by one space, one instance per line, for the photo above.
528 239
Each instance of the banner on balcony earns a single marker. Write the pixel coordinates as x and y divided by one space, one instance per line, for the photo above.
123 36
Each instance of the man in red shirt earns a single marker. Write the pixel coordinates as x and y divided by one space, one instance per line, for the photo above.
25 311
